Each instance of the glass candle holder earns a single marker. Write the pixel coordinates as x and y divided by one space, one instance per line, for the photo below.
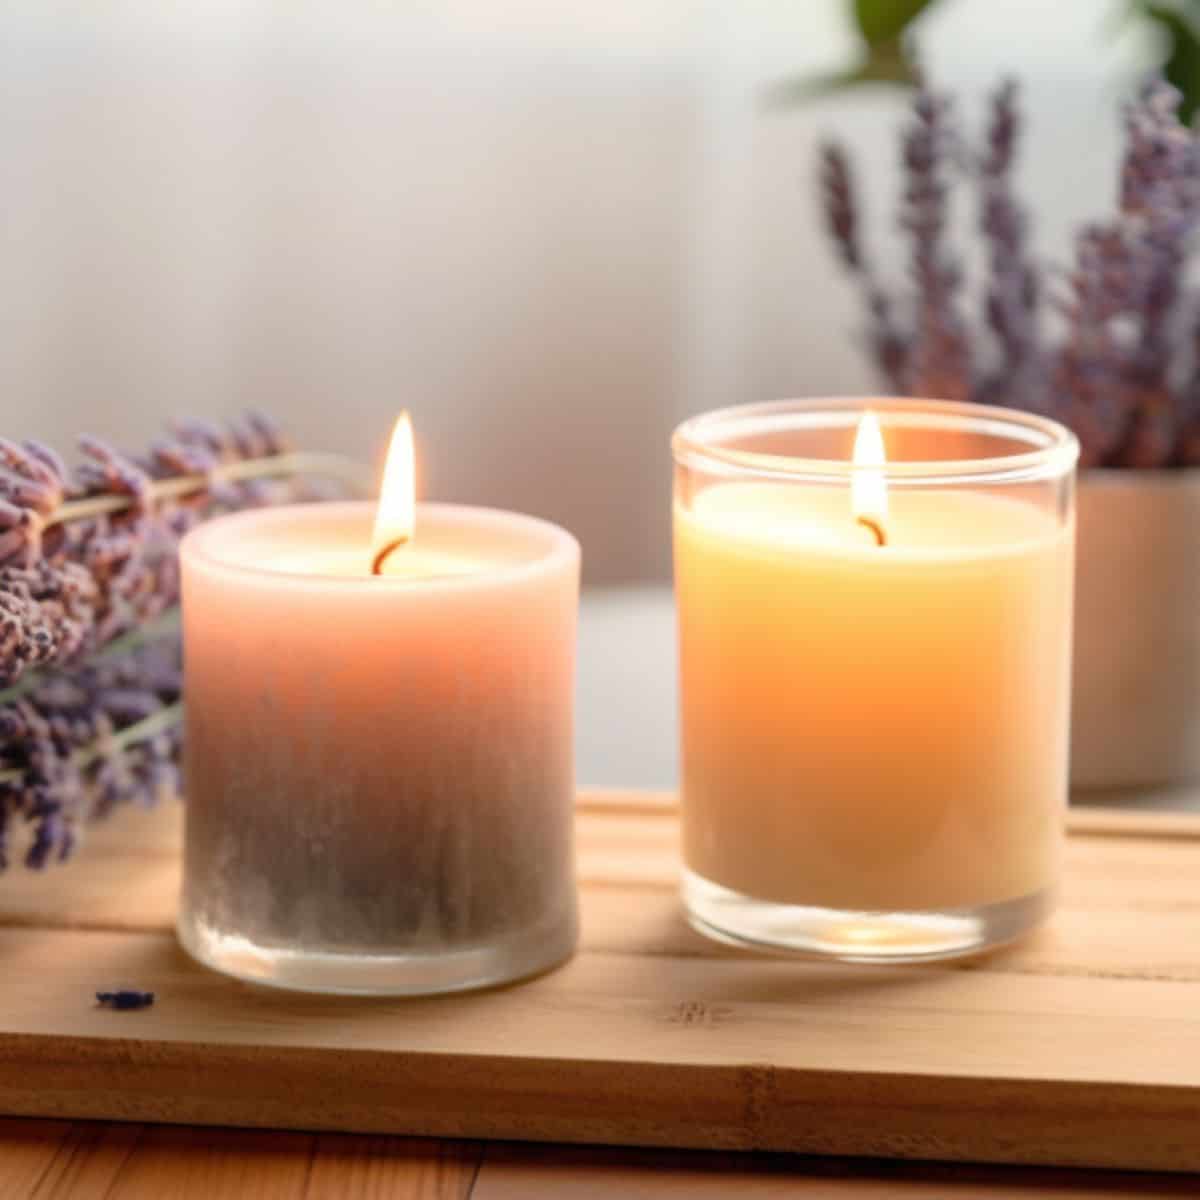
379 770
875 673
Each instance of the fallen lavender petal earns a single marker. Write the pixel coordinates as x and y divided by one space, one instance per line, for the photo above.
125 1000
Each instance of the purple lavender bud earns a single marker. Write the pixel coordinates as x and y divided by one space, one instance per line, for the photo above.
254 493
173 458
45 839
270 437
201 434
126 705
11 726
111 471
110 786
1003 131
20 535
67 842
49 458
180 521
837 189
32 483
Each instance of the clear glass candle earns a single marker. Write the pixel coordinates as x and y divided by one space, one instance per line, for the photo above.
379 768
875 673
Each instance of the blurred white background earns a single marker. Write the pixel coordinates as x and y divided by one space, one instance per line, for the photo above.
551 228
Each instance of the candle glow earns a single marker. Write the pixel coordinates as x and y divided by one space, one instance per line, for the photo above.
395 517
868 487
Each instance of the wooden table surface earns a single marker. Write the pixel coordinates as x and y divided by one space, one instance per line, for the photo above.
42 1158
50 1160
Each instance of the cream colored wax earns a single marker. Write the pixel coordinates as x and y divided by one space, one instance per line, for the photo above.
866 727
379 766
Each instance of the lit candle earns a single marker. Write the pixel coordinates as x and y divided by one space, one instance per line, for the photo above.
874 677
379 766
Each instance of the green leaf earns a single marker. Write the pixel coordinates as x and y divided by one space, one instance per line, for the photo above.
884 63
1182 65
881 21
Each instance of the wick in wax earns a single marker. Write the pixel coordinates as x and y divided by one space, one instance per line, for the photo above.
873 526
385 553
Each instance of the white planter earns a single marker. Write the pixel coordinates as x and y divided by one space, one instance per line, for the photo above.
1136 701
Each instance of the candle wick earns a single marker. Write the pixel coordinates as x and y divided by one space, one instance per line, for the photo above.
876 529
383 554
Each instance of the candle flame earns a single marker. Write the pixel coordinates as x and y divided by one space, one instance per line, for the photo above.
396 514
868 488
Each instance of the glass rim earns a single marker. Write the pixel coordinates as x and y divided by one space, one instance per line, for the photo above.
1053 449
558 546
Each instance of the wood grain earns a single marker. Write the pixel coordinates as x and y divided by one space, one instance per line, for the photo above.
579 1173
1081 1046
179 1164
88 1161
98 1161
27 1154
384 1168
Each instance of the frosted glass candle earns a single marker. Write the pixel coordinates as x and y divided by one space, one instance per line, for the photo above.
379 770
874 736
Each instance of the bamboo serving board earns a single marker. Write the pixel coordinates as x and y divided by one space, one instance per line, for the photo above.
1081 1046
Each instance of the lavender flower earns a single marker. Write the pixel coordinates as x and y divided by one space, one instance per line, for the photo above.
90 664
1013 283
1160 203
890 345
1123 374
939 363
1085 373
31 477
840 212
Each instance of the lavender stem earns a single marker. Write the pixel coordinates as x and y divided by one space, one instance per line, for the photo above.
300 463
141 731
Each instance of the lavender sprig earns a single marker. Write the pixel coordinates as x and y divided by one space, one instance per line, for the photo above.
918 341
1013 282
1086 372
939 364
1160 204
891 345
1123 373
90 664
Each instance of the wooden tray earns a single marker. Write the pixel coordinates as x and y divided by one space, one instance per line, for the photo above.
1081 1046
